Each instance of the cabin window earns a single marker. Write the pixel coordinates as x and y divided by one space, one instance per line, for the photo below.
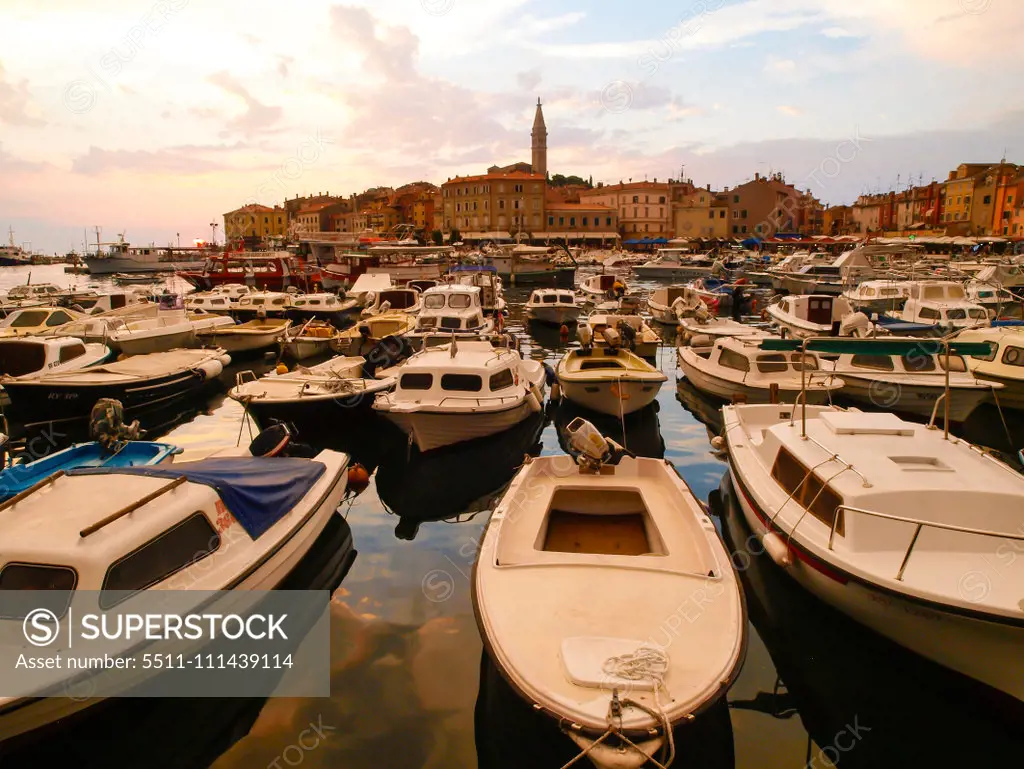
977 314
1013 356
567 298
501 380
733 360
188 542
71 351
956 313
21 358
550 299
459 301
993 348
918 362
772 364
26 319
451 323
118 301
807 490
876 362
466 383
217 301
278 301
433 301
43 578
928 313
956 363
869 292
810 363
416 381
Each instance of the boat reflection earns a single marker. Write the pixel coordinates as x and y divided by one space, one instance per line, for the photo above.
458 480
639 433
173 733
864 701
510 734
706 409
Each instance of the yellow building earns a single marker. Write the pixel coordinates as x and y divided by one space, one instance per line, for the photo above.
644 208
494 202
958 192
580 222
701 214
255 221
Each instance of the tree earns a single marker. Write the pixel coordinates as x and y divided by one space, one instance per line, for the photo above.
455 236
438 237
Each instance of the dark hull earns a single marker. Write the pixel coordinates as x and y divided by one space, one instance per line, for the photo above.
316 421
339 320
563 277
201 729
37 404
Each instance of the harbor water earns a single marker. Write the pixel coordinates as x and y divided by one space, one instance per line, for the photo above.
411 685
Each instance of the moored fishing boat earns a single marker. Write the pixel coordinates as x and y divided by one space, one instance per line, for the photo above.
629 330
172 328
27 356
35 320
1002 363
323 307
554 306
809 314
313 338
608 380
451 310
368 332
578 569
251 336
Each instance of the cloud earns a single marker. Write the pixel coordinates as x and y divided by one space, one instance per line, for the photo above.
836 32
14 103
283 64
185 159
257 117
787 109
529 79
9 164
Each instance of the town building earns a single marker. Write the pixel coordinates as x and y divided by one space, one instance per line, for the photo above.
539 143
580 222
316 217
838 220
643 208
767 205
256 222
701 213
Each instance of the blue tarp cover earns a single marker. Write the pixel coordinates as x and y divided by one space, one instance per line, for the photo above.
258 491
474 268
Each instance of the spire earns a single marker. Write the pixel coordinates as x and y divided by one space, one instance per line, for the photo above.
539 143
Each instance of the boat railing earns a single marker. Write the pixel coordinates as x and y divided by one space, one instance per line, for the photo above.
919 524
242 377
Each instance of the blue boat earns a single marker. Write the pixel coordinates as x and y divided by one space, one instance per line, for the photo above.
17 478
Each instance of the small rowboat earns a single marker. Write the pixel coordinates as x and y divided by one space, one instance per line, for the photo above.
314 338
586 573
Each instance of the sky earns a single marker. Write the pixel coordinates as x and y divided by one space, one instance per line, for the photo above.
153 119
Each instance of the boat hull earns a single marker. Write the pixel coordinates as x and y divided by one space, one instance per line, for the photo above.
431 430
610 397
114 264
145 344
553 316
563 277
733 392
664 315
918 400
674 273
970 644
241 342
300 349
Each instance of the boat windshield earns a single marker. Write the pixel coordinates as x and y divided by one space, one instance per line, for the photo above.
459 301
433 301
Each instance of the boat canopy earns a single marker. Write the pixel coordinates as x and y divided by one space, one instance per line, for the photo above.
258 491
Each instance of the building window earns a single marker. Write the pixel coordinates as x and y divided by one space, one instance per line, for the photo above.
958 199
735 229
517 188
584 221
735 214
551 221
721 214
501 205
608 221
735 198
635 212
711 214
743 214
985 200
572 221
743 228
561 221
636 198
647 213
662 200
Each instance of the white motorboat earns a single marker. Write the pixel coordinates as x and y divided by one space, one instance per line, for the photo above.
603 287
31 295
608 380
485 277
809 314
262 304
300 396
228 523
328 307
629 330
701 330
901 527
741 370
995 299
451 309
554 306
460 391
220 299
28 356
581 569
1003 363
667 305
172 328
908 376
943 303
368 332
35 320
681 264
250 336
878 296
393 299
313 338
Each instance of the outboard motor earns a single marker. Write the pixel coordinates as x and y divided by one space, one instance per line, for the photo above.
271 442
628 335
387 352
585 336
107 426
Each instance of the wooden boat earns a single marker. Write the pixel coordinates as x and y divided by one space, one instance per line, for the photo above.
740 370
21 477
140 382
368 332
303 396
313 338
607 330
274 271
124 279
228 523
579 574
28 356
943 303
879 296
553 306
460 391
246 337
608 380
892 523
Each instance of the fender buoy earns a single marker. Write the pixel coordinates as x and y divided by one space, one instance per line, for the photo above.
777 549
281 369
358 478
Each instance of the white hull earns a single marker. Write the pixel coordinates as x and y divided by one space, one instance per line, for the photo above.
662 314
611 397
300 349
675 273
983 650
149 342
433 430
556 316
241 341
734 391
916 399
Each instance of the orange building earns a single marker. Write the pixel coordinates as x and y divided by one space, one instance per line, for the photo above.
580 221
494 202
644 208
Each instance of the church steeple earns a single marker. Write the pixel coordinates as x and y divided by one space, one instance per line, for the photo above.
540 142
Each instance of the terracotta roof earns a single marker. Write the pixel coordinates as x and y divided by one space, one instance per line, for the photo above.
489 177
317 207
252 208
626 186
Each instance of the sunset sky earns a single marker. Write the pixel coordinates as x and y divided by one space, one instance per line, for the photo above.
159 117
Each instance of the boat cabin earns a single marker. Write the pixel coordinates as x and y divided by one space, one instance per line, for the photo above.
35 319
451 308
817 309
746 356
459 370
25 356
34 291
552 297
271 301
943 303
397 300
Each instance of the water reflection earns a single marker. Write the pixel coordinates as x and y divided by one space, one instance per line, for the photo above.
865 701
